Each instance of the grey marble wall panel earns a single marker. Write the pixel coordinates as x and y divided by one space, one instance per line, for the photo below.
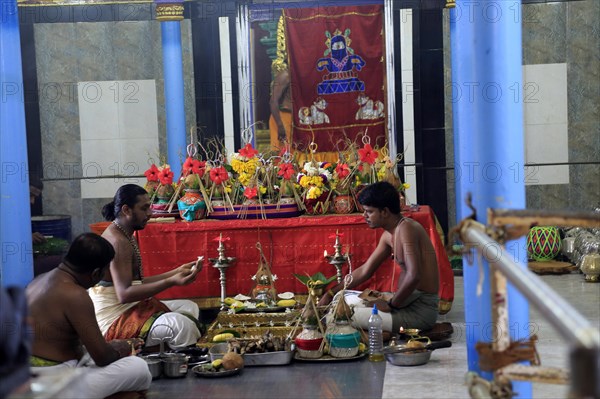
136 45
583 55
550 197
584 190
544 33
95 53
53 45
63 198
68 53
92 211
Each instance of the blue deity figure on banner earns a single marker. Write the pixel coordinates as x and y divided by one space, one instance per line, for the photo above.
340 61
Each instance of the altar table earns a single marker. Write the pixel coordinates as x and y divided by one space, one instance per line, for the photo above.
290 245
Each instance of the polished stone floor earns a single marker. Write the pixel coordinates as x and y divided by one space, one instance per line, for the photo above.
442 377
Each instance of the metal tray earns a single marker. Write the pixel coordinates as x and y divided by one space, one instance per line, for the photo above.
329 358
268 309
200 371
268 358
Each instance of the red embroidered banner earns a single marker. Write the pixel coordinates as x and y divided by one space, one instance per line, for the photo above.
336 62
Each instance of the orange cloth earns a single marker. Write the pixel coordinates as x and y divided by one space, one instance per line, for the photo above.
286 118
136 321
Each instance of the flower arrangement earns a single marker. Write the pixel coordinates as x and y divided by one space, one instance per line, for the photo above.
342 178
285 178
366 167
159 183
193 171
315 182
370 165
248 178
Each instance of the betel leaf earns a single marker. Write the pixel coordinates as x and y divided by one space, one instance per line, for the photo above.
311 281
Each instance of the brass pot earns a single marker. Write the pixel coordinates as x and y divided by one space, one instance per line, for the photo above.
590 267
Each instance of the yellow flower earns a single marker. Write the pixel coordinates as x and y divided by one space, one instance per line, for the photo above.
240 166
405 186
244 178
305 181
263 190
314 193
381 173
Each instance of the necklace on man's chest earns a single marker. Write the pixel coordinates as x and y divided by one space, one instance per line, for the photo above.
136 249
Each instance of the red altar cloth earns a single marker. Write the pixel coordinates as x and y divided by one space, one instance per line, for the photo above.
291 245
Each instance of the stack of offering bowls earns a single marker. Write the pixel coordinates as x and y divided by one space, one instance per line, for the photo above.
308 342
343 340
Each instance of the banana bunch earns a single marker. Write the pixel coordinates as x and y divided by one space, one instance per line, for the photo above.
286 303
223 337
234 304
286 300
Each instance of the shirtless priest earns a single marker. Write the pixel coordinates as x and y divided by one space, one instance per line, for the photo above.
124 302
414 304
64 322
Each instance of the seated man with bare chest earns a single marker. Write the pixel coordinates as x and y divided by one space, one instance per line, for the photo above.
66 334
414 303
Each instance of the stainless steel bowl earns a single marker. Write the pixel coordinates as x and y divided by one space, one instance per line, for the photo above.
401 355
175 365
415 358
154 366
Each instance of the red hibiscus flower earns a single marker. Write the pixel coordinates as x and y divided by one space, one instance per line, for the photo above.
152 173
286 170
248 151
342 170
368 154
188 165
219 175
165 176
250 192
199 167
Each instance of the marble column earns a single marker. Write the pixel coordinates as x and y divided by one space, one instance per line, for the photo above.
15 214
170 13
489 151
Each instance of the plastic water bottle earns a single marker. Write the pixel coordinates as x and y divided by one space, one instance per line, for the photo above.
375 336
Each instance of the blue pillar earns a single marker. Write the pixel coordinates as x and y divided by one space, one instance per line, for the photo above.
486 40
15 215
170 14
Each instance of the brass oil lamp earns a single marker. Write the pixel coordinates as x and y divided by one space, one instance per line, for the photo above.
338 259
222 263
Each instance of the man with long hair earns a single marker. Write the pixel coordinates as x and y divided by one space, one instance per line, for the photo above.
124 298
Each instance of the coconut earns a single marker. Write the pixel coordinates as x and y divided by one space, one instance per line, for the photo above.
191 181
343 310
232 360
